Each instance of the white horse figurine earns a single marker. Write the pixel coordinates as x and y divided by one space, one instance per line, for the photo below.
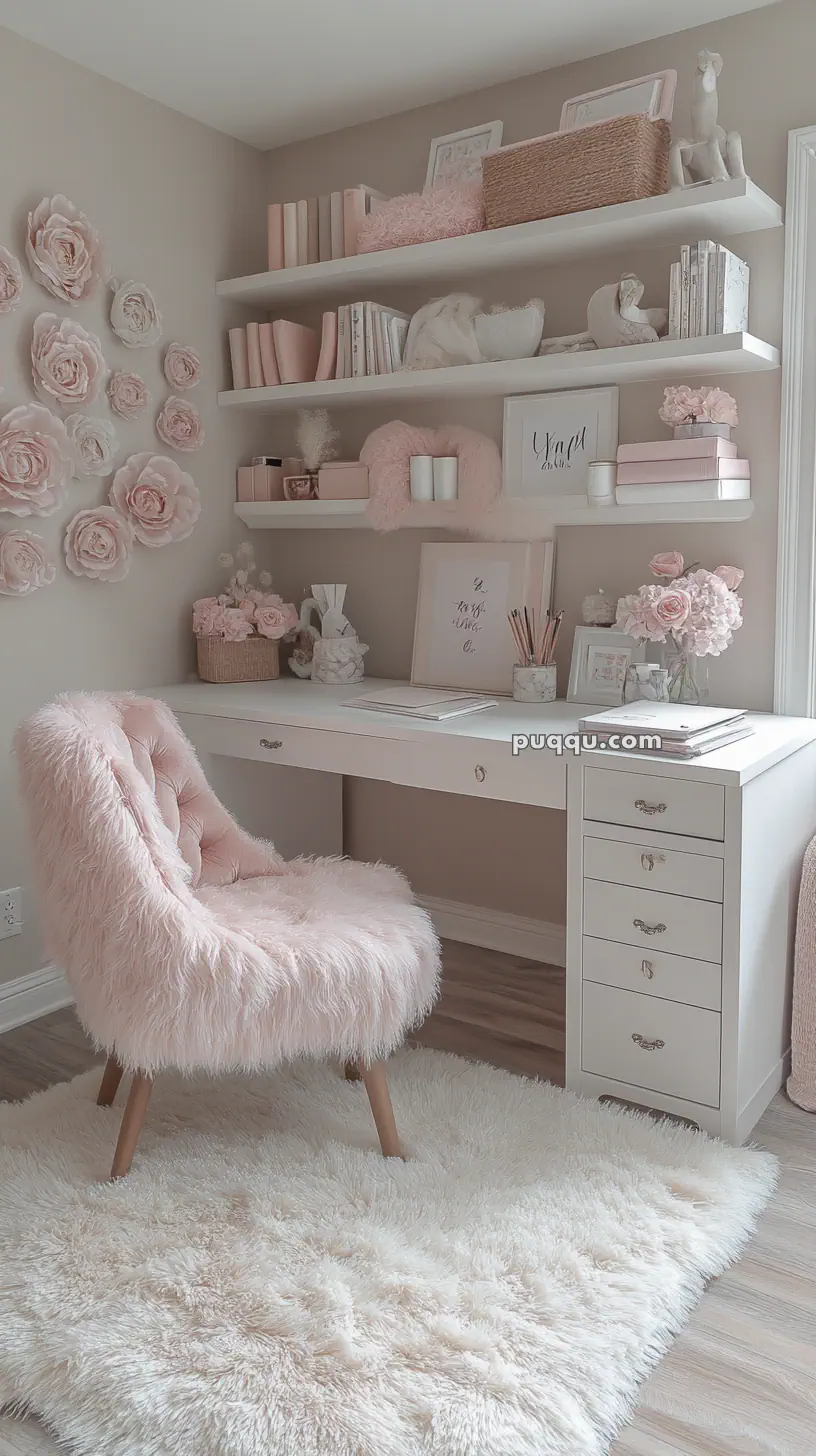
713 155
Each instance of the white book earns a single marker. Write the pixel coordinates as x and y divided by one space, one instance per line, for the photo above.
343 326
358 359
693 278
735 294
674 300
713 271
398 335
383 343
685 283
676 492
431 704
704 250
336 225
369 330
679 721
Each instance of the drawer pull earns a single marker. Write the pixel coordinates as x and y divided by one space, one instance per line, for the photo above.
271 743
481 773
649 929
646 808
648 861
646 1045
647 969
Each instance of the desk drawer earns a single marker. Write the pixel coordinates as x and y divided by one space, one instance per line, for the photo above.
672 805
649 1043
653 973
650 919
647 867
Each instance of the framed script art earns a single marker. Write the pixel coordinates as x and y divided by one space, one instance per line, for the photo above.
462 638
549 439
600 657
652 96
458 157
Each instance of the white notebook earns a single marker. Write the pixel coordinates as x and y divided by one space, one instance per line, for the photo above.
430 703
670 720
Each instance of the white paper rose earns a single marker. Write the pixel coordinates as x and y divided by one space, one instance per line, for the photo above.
99 544
134 316
128 395
94 444
182 366
63 250
66 361
25 564
11 282
179 425
36 461
159 499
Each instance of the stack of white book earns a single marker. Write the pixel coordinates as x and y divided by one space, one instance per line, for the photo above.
708 292
370 340
683 731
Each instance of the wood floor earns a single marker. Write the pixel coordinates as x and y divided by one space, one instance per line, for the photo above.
741 1379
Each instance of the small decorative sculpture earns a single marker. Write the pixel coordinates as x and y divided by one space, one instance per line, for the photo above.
456 330
599 610
333 654
613 319
712 155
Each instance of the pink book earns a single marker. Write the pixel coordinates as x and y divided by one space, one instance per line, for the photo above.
238 356
274 235
296 350
327 362
302 214
652 472
712 446
354 212
269 363
256 378
312 235
290 235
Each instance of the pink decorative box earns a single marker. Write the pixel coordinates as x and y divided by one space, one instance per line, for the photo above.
343 480
708 447
651 472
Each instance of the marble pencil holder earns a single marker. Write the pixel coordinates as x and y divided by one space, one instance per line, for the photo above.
534 684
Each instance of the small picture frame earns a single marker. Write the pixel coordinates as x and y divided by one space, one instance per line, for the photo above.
458 156
600 658
652 96
550 439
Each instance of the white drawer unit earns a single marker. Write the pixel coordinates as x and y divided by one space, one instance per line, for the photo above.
671 805
644 1042
653 921
653 972
653 867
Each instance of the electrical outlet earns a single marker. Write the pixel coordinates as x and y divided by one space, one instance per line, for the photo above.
11 912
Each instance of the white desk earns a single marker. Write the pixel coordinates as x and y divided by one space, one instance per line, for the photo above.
681 886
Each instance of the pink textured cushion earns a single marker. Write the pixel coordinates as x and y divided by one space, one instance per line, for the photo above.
446 211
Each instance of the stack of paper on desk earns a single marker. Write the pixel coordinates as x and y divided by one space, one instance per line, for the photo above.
434 704
685 731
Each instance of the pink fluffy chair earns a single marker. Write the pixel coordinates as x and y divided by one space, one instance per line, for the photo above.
190 944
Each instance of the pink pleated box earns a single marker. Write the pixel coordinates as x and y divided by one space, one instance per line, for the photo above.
343 480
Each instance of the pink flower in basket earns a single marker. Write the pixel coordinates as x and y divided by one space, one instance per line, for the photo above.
207 617
275 620
667 563
234 625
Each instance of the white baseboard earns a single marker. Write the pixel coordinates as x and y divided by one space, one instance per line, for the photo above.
28 997
538 940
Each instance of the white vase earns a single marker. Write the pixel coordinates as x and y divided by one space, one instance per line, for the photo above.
338 660
702 431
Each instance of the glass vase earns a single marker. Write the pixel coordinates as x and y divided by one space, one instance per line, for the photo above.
688 676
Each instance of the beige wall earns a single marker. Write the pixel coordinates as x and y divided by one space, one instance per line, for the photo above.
766 88
177 205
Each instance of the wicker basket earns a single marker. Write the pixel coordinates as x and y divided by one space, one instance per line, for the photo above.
256 659
622 160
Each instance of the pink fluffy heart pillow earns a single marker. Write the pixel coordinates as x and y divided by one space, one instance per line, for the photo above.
387 453
446 211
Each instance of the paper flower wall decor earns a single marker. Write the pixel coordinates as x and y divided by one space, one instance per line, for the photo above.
66 361
179 425
99 544
162 503
63 250
182 366
25 563
11 281
134 315
128 395
36 461
94 444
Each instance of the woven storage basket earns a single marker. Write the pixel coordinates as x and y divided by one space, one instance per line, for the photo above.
622 160
256 659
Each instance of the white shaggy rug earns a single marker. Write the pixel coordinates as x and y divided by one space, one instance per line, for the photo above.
266 1284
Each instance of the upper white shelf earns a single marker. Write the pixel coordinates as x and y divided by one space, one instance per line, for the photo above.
513 520
629 364
716 209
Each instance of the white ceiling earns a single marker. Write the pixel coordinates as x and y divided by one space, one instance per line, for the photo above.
274 71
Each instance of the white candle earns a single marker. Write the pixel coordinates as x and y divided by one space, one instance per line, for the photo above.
602 478
445 478
422 478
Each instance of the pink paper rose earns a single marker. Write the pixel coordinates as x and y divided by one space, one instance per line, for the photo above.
182 366
11 281
234 625
94 443
247 606
66 361
161 502
128 395
731 575
24 564
273 620
134 315
207 617
666 563
63 250
99 544
671 609
179 425
36 461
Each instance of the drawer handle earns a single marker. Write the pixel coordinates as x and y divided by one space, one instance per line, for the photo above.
647 969
648 861
646 808
481 773
646 1045
271 743
649 929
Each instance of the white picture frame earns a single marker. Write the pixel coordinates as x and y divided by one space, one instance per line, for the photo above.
462 638
550 439
457 157
652 96
600 657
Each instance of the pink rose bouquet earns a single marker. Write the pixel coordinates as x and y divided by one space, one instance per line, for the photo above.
244 610
685 406
695 610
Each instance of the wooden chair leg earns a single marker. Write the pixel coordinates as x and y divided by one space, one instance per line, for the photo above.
134 1116
376 1085
109 1086
352 1072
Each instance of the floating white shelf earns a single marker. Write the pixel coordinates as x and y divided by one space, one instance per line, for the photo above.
630 364
517 520
719 210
